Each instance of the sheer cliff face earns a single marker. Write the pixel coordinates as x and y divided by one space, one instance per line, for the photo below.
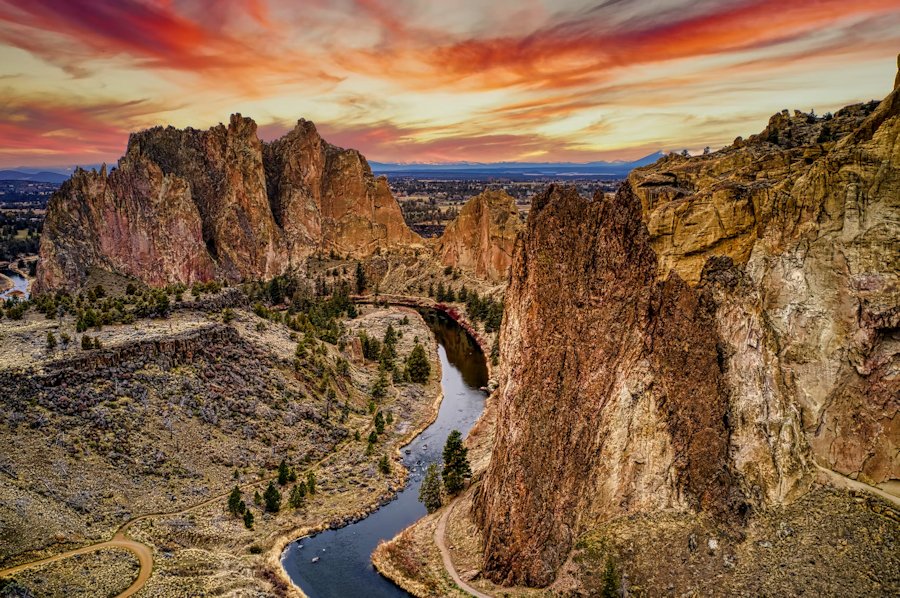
482 238
706 341
612 399
187 205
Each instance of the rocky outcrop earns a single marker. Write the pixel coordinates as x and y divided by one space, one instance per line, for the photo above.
186 205
613 398
483 236
704 342
721 203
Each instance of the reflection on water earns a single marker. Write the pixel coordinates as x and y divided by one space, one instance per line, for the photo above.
344 567
19 284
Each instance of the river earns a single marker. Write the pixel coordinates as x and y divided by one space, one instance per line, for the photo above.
19 284
344 567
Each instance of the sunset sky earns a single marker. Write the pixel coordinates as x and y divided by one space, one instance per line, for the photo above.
451 80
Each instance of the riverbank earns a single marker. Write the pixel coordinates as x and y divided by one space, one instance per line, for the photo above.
275 554
345 565
196 545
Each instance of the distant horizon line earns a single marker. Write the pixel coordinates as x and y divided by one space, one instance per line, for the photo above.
63 169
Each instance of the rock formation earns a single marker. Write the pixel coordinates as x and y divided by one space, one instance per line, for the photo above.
186 205
706 341
482 238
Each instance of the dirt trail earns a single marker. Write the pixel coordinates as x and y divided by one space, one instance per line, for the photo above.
120 542
439 533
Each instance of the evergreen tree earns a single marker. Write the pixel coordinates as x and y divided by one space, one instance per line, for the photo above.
311 483
298 494
430 490
610 582
390 418
373 437
456 463
273 498
360 279
379 423
384 466
440 294
51 341
356 435
379 388
235 503
390 338
283 473
248 519
257 499
417 367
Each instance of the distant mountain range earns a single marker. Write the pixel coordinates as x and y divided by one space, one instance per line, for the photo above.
43 176
516 170
459 170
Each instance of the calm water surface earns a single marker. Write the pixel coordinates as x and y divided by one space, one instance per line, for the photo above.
344 568
19 284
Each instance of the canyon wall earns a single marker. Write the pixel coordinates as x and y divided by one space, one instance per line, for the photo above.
706 341
186 205
481 239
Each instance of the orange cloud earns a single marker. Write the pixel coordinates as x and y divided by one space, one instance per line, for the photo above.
584 50
58 131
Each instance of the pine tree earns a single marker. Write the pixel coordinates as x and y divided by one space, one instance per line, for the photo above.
379 388
51 341
360 279
430 490
384 466
379 423
417 367
283 473
456 463
235 503
273 498
311 483
298 494
248 519
373 437
390 418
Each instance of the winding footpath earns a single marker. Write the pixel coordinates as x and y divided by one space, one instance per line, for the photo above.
439 534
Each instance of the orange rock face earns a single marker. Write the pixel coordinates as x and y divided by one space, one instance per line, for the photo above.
482 238
612 399
187 205
706 341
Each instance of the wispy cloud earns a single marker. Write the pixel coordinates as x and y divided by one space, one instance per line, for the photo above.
408 80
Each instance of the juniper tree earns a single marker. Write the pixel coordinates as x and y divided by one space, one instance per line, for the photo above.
379 423
273 498
430 490
235 503
417 367
248 519
297 496
311 483
384 466
360 279
456 463
283 473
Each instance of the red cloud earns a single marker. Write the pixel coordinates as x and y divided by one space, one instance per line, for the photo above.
584 50
48 131
210 41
